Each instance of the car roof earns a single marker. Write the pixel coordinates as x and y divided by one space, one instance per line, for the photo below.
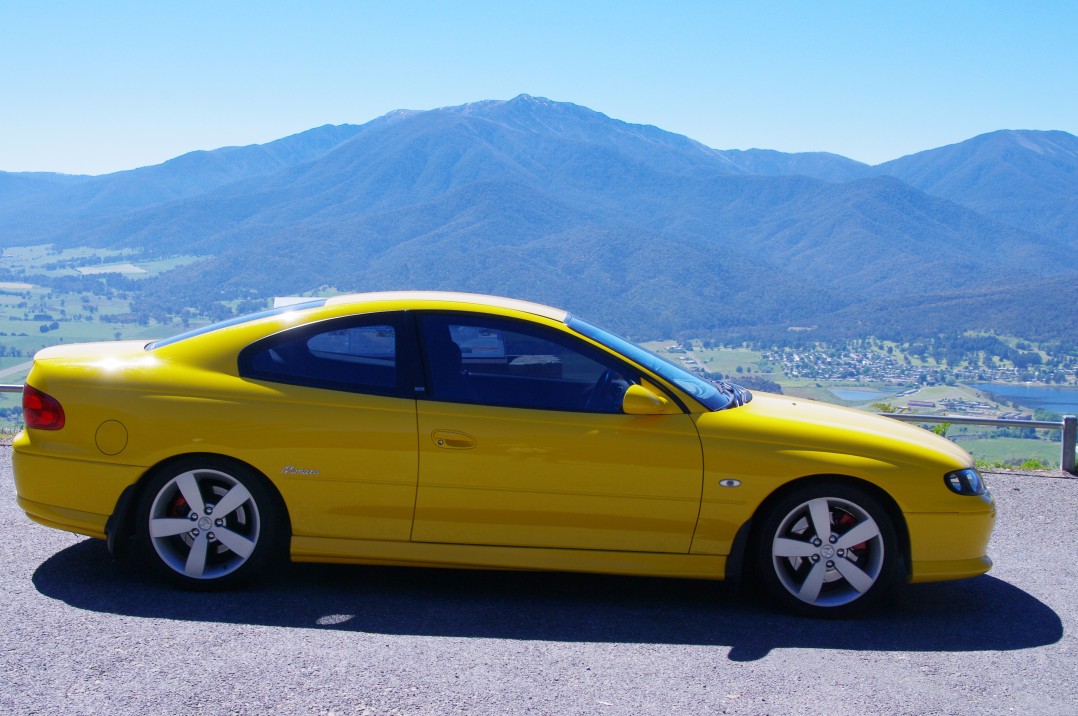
475 299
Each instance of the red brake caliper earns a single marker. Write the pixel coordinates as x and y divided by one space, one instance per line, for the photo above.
847 522
179 507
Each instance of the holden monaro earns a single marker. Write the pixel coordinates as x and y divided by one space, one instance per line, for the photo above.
441 429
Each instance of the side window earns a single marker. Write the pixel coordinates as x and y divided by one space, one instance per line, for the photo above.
353 354
494 361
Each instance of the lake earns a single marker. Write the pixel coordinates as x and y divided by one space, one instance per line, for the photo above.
1058 400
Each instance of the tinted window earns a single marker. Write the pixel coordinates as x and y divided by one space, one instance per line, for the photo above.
354 354
493 361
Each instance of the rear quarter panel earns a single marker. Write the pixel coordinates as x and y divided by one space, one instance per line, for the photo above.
345 463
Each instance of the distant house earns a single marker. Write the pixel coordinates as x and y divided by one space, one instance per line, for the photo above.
921 404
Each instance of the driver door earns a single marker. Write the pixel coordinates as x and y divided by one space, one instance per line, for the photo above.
522 442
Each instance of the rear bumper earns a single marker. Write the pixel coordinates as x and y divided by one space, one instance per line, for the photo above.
83 523
73 495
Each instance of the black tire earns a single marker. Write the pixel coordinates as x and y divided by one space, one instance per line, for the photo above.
827 549
207 523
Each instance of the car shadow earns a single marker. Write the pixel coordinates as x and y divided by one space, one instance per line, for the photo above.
977 614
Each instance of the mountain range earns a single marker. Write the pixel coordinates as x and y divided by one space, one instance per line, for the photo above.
644 230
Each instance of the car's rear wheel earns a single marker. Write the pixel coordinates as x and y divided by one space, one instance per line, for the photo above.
827 549
208 523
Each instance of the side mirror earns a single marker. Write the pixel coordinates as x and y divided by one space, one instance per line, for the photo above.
638 400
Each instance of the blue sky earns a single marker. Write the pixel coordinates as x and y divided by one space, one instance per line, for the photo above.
99 87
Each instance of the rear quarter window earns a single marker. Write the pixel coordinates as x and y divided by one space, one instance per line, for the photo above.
354 354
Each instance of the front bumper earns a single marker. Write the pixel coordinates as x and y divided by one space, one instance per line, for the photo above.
946 546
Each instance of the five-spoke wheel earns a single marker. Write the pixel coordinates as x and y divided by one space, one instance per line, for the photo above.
208 524
827 549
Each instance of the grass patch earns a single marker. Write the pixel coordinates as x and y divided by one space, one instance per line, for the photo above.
149 269
728 360
124 268
1014 452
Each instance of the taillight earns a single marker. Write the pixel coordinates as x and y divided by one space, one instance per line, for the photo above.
41 410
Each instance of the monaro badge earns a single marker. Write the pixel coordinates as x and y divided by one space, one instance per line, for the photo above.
293 470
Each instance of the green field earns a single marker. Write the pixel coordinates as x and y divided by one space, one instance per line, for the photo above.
1014 450
46 261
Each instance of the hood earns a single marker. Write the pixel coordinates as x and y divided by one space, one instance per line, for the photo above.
801 426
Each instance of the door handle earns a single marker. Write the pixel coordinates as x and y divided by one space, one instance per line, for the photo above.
453 439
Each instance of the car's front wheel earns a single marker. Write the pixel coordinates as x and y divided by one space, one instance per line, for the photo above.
208 524
827 549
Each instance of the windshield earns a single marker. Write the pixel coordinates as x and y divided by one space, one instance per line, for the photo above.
712 396
318 303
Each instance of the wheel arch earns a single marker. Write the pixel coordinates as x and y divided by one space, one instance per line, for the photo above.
120 529
748 533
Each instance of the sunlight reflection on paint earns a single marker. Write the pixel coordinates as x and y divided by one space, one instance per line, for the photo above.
111 365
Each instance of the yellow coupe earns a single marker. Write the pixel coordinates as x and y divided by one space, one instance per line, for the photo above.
443 429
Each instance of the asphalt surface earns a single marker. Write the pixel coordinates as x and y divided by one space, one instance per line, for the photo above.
83 634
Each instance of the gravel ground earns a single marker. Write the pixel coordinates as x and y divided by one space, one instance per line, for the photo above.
86 635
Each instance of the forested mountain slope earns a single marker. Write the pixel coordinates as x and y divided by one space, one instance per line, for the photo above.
649 231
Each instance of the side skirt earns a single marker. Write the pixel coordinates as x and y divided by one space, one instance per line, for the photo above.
423 554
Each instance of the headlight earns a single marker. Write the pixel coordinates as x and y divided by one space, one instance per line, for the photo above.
965 482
